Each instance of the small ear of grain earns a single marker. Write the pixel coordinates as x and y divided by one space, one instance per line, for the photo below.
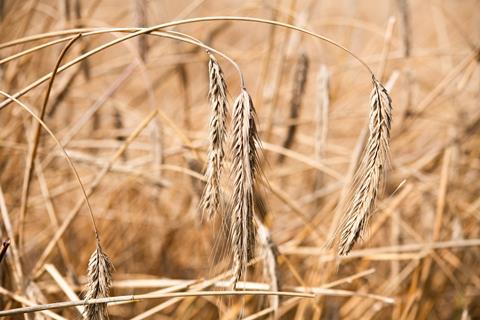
211 199
245 167
100 270
372 169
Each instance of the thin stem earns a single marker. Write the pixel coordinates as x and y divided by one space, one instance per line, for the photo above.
186 39
177 23
70 163
140 297
3 251
96 31
35 141
36 48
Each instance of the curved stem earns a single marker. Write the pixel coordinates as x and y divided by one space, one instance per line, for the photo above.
35 141
91 32
36 48
186 21
189 39
70 163
266 21
150 296
112 43
195 20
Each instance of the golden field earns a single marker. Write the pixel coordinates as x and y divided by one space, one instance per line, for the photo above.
346 207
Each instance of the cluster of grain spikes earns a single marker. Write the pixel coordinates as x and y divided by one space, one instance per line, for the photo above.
245 166
370 175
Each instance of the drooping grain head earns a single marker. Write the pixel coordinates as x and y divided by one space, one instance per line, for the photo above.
245 167
211 199
100 270
372 169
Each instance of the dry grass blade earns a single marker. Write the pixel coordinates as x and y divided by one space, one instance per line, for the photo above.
406 29
3 251
270 267
321 117
100 270
141 21
150 296
300 81
2 9
211 200
32 152
371 171
321 110
245 166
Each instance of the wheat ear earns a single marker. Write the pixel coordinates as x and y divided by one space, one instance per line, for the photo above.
217 93
371 171
100 270
245 166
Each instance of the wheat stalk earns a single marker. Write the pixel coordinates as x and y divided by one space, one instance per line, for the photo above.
100 270
321 117
321 110
140 17
245 166
217 93
298 90
372 169
270 267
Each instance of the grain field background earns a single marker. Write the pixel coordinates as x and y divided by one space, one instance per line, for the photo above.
263 159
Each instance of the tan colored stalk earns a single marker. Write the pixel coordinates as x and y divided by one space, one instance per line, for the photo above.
161 26
140 14
32 152
298 90
270 267
321 118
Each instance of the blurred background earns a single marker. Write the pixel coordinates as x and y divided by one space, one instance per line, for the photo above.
420 256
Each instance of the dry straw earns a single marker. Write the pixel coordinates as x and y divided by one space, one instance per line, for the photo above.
270 267
100 267
298 90
321 118
140 16
321 111
245 167
211 200
372 169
